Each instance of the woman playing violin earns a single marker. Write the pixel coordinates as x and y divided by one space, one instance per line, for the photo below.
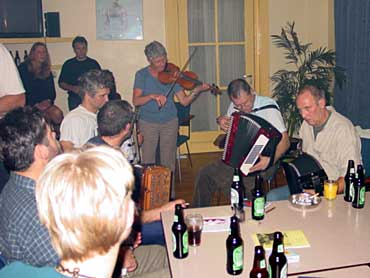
157 112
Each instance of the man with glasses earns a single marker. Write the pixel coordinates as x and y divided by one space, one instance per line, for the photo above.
217 176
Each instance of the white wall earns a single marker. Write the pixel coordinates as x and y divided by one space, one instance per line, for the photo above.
122 57
312 24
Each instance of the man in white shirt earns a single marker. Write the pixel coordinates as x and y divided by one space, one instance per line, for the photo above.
80 124
11 95
11 87
217 176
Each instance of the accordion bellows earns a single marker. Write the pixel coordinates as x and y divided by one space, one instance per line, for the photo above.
248 137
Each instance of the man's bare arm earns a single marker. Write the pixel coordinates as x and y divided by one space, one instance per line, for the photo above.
69 87
10 102
67 146
283 146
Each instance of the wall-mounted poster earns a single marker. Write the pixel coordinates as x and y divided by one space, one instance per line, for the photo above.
119 19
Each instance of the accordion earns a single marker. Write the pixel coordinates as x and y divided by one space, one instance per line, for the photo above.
152 186
304 172
248 137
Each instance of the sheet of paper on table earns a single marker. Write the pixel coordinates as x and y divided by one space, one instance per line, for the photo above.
216 224
292 239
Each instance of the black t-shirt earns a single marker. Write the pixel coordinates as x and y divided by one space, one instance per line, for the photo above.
72 69
37 89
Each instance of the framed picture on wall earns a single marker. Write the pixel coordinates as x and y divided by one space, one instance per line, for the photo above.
119 19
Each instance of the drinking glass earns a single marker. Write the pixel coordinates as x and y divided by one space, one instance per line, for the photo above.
330 189
194 222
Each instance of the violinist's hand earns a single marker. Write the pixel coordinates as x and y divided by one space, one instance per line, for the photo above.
201 88
223 122
262 164
160 99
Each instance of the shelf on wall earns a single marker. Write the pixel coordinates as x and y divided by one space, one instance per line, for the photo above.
33 40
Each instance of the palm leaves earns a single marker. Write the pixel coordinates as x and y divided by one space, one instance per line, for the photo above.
309 67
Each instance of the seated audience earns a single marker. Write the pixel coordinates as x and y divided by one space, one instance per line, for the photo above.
114 127
27 144
73 68
73 206
79 125
217 175
326 135
38 82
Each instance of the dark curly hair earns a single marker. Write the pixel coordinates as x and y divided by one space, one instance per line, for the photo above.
20 131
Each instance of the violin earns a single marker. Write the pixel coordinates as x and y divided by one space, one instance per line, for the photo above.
186 79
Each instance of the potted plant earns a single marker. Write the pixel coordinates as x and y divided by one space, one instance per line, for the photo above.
308 67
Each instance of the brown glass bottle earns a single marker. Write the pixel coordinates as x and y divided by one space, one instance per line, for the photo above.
258 200
359 189
234 248
259 269
237 191
179 235
349 181
278 265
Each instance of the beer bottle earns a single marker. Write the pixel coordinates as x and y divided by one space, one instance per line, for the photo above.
278 265
234 248
349 181
258 200
17 59
359 189
179 234
237 191
25 55
259 269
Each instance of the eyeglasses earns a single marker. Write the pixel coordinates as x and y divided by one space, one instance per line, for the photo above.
248 103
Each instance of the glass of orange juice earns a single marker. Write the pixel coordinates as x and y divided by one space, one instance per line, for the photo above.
330 189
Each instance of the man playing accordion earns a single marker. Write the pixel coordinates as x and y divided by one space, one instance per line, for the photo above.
217 176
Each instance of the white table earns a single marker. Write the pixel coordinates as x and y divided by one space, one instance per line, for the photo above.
339 236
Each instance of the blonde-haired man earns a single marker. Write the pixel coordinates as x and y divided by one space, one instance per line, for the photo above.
84 200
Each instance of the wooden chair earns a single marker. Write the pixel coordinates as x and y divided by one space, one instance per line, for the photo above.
184 117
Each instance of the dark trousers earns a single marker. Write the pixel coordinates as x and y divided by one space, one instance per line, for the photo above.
217 177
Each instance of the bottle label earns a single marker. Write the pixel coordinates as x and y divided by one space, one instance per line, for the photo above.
234 197
236 178
280 248
284 271
351 191
262 264
238 258
173 243
185 243
175 218
362 196
269 270
259 206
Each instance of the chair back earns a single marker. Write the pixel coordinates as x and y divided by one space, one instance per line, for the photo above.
183 114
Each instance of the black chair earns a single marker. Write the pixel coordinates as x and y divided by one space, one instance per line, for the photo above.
184 117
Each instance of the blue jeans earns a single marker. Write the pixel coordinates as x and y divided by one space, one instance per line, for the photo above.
152 233
278 194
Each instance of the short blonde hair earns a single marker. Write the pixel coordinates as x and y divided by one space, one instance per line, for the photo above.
83 199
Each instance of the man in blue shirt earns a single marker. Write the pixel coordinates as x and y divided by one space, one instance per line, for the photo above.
27 144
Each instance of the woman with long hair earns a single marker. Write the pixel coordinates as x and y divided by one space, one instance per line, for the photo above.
38 81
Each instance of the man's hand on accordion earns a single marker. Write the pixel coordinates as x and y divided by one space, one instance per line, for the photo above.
223 122
262 164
